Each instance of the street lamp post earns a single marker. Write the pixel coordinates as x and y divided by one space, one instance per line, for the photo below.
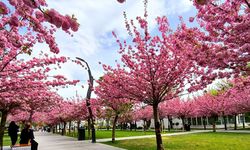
88 96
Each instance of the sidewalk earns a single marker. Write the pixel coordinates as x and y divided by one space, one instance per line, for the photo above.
152 136
49 141
234 131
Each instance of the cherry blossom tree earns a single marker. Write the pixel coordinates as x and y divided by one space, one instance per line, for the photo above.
208 105
227 25
181 109
22 25
238 98
156 68
23 81
117 106
146 114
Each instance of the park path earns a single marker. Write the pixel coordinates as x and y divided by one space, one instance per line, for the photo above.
234 131
49 141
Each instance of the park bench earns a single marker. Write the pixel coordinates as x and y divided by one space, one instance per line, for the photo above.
22 147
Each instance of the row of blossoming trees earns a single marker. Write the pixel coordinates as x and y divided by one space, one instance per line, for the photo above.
229 102
26 86
155 69
161 67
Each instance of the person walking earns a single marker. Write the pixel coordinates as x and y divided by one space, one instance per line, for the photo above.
12 131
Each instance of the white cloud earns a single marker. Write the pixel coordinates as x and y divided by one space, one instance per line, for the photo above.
93 42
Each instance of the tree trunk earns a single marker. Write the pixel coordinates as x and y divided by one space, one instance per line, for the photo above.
169 123
162 125
113 128
204 123
144 125
64 128
131 126
183 123
78 124
107 121
2 126
135 126
225 122
74 130
157 128
88 96
244 120
214 123
31 115
235 122
148 123
89 126
69 128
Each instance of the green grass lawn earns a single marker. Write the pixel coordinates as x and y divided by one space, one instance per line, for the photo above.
108 134
201 141
6 140
102 134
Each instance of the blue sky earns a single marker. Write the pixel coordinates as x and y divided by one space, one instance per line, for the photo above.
94 41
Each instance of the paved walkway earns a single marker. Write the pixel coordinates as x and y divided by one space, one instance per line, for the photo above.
49 141
234 131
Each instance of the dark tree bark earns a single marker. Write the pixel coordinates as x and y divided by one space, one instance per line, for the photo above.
183 123
214 123
148 123
235 122
157 127
78 124
135 126
162 124
204 122
89 127
55 128
31 115
69 127
113 128
144 125
88 96
225 122
64 128
170 123
244 120
2 127
107 121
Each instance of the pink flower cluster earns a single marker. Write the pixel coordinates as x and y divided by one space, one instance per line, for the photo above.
64 22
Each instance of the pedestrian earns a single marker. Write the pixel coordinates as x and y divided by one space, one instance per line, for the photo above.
12 131
27 136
